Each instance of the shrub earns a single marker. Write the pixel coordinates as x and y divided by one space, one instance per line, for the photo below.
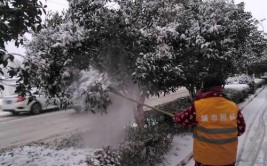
148 146
236 96
104 157
243 79
259 82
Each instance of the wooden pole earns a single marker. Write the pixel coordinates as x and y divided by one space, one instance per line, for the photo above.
130 99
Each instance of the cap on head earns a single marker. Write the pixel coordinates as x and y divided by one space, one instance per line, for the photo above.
212 80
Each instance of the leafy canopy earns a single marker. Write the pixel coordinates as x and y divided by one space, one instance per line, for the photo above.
158 45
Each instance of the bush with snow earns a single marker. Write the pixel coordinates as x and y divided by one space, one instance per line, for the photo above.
259 82
242 79
90 91
104 157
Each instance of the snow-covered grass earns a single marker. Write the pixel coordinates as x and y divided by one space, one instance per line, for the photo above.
181 146
45 156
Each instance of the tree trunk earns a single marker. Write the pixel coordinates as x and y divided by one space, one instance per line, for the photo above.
139 113
136 95
191 89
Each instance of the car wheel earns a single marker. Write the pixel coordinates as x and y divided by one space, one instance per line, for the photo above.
36 108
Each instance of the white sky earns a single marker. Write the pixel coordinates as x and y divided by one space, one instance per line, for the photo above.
56 5
258 8
52 5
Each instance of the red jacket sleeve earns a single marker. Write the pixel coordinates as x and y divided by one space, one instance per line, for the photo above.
241 125
186 118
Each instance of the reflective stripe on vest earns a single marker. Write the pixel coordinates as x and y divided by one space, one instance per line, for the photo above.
215 141
216 131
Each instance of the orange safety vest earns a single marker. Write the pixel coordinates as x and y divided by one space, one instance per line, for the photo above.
215 136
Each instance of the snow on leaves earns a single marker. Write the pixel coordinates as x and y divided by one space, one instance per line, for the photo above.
158 44
90 91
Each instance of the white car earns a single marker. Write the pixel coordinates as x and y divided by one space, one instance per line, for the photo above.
34 102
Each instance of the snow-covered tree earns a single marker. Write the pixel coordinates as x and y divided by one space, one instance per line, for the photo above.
254 54
125 43
213 36
17 17
140 47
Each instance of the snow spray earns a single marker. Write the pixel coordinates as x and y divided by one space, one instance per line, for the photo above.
111 129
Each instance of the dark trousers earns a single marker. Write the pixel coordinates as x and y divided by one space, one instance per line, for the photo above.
199 164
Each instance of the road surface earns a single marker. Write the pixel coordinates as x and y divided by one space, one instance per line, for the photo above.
101 130
253 143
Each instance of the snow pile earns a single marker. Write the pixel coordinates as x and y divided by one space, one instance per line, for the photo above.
45 156
239 79
239 87
258 80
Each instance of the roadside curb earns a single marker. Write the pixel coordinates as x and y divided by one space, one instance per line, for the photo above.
185 160
190 156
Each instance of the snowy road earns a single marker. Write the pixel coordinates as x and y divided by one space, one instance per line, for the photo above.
252 149
102 130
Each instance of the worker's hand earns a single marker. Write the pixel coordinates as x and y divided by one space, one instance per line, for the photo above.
174 116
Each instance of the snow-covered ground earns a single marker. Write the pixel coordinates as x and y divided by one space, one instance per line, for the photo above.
251 151
258 80
181 149
253 143
45 156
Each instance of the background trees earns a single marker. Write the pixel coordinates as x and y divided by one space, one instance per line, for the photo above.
115 42
17 17
214 38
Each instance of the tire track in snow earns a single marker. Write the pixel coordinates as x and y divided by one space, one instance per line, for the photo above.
253 156
248 129
263 126
253 142
264 152
262 155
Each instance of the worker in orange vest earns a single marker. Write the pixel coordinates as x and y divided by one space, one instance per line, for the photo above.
217 123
